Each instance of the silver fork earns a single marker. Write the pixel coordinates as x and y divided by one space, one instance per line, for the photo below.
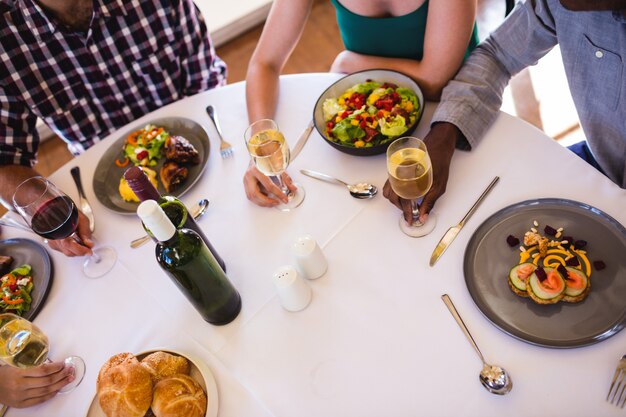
618 384
226 149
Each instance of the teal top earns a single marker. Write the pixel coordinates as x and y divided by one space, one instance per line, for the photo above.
393 37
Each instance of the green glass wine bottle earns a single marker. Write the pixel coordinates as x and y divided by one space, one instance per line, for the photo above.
184 256
174 208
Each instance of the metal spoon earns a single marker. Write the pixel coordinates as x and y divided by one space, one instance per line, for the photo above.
494 378
360 190
197 212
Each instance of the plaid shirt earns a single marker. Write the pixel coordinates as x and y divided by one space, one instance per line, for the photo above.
137 56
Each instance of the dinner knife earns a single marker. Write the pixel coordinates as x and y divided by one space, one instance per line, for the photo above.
301 141
84 204
447 239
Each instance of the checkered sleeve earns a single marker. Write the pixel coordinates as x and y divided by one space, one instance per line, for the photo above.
202 68
18 136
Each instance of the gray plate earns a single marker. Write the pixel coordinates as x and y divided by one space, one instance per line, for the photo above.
106 179
488 260
26 251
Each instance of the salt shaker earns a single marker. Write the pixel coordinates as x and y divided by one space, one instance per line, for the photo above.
310 259
293 291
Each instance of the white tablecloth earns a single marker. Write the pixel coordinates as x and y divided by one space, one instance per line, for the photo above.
376 339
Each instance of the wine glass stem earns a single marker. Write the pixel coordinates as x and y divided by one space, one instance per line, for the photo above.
415 211
278 180
94 256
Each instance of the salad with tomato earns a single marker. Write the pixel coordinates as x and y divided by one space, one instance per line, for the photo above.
144 147
16 287
370 114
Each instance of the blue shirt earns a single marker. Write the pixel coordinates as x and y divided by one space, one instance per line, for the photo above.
593 47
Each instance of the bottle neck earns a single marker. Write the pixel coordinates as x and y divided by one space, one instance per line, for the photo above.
140 184
155 219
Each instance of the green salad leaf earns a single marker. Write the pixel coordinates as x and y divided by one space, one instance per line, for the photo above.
345 131
409 95
330 108
394 127
364 88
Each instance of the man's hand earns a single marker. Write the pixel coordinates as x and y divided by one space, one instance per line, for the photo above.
69 246
440 142
21 388
262 191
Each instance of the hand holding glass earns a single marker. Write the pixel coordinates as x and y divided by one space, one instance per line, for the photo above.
53 215
411 176
23 345
270 154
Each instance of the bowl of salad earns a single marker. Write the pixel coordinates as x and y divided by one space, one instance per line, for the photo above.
362 113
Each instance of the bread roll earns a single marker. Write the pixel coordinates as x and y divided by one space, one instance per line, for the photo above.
179 396
162 365
115 360
125 390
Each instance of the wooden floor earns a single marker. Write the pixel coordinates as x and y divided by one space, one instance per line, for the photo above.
319 45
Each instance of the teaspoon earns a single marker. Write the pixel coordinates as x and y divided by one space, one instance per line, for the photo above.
198 211
494 378
360 190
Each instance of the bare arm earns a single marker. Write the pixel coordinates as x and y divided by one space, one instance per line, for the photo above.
448 32
13 175
281 33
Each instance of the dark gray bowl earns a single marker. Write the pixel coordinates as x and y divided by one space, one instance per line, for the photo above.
341 85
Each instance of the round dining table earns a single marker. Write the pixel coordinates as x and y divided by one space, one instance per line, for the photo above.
376 339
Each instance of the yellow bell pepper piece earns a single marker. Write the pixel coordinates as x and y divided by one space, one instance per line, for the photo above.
523 256
372 99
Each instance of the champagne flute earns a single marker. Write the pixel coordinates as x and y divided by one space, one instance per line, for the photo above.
270 153
53 215
23 345
410 177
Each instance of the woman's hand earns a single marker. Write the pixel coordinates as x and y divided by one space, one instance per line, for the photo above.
21 388
69 246
262 191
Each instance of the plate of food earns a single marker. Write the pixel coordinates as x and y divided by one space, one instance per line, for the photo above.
159 382
173 151
550 272
362 113
26 277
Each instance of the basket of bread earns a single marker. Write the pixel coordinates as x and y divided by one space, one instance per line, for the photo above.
160 383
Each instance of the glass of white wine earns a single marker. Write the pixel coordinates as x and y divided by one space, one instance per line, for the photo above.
410 177
23 345
270 154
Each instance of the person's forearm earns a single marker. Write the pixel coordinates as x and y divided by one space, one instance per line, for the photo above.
431 81
10 177
262 86
473 98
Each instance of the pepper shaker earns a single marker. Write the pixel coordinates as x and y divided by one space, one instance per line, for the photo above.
310 259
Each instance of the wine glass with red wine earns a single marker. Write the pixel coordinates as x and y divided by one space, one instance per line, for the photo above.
53 215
